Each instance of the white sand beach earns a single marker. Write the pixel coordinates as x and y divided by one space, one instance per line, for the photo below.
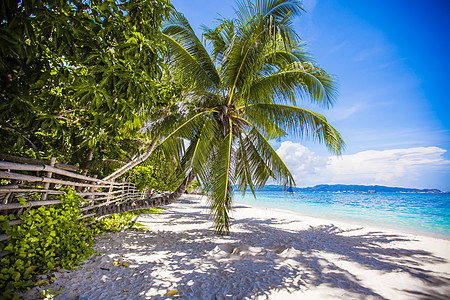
270 254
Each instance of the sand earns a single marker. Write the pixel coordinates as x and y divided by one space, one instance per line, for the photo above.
270 254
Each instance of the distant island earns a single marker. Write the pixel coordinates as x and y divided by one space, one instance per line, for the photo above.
354 188
365 188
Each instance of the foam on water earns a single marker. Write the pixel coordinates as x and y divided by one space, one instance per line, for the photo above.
423 213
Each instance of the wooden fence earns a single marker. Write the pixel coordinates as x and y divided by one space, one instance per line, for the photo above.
42 181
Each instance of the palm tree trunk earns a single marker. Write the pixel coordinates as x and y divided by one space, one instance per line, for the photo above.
132 163
140 149
181 189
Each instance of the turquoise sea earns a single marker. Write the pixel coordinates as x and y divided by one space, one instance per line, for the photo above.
414 212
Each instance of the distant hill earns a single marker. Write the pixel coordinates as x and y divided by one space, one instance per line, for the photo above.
351 188
362 188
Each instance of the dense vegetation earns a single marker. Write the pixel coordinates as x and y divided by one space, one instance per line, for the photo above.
157 173
78 79
50 237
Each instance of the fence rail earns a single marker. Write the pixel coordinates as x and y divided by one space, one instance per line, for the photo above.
25 177
24 160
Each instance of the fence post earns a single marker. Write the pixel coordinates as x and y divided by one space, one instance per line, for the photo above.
109 193
49 175
91 190
123 195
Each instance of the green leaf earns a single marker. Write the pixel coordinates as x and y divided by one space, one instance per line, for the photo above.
10 247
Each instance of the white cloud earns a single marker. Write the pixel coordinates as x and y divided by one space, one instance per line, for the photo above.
300 160
397 167
388 166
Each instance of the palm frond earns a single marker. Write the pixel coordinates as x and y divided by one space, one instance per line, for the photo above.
269 129
265 161
187 54
280 8
279 15
220 37
200 100
173 143
220 185
276 15
296 79
277 56
297 121
260 25
167 122
244 168
197 157
243 59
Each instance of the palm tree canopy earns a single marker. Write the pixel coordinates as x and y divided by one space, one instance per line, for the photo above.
239 97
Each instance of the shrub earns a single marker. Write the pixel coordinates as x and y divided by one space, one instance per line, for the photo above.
49 238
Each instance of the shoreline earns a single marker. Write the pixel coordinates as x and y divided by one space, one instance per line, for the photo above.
270 254
401 229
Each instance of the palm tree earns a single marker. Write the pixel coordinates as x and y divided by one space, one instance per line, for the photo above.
240 97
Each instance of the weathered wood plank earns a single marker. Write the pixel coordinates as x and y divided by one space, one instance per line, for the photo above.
49 175
15 222
86 216
48 168
81 194
36 161
4 237
118 197
5 191
10 206
30 178
132 205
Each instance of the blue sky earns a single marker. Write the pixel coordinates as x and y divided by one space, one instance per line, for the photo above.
393 110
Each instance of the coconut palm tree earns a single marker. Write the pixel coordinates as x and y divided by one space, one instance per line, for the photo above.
240 97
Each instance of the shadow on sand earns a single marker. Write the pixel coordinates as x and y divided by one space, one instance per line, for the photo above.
303 258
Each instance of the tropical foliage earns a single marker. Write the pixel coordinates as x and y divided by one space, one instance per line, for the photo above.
78 78
157 173
49 237
241 96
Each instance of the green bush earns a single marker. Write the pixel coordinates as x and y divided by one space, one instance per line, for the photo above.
195 184
49 238
156 173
